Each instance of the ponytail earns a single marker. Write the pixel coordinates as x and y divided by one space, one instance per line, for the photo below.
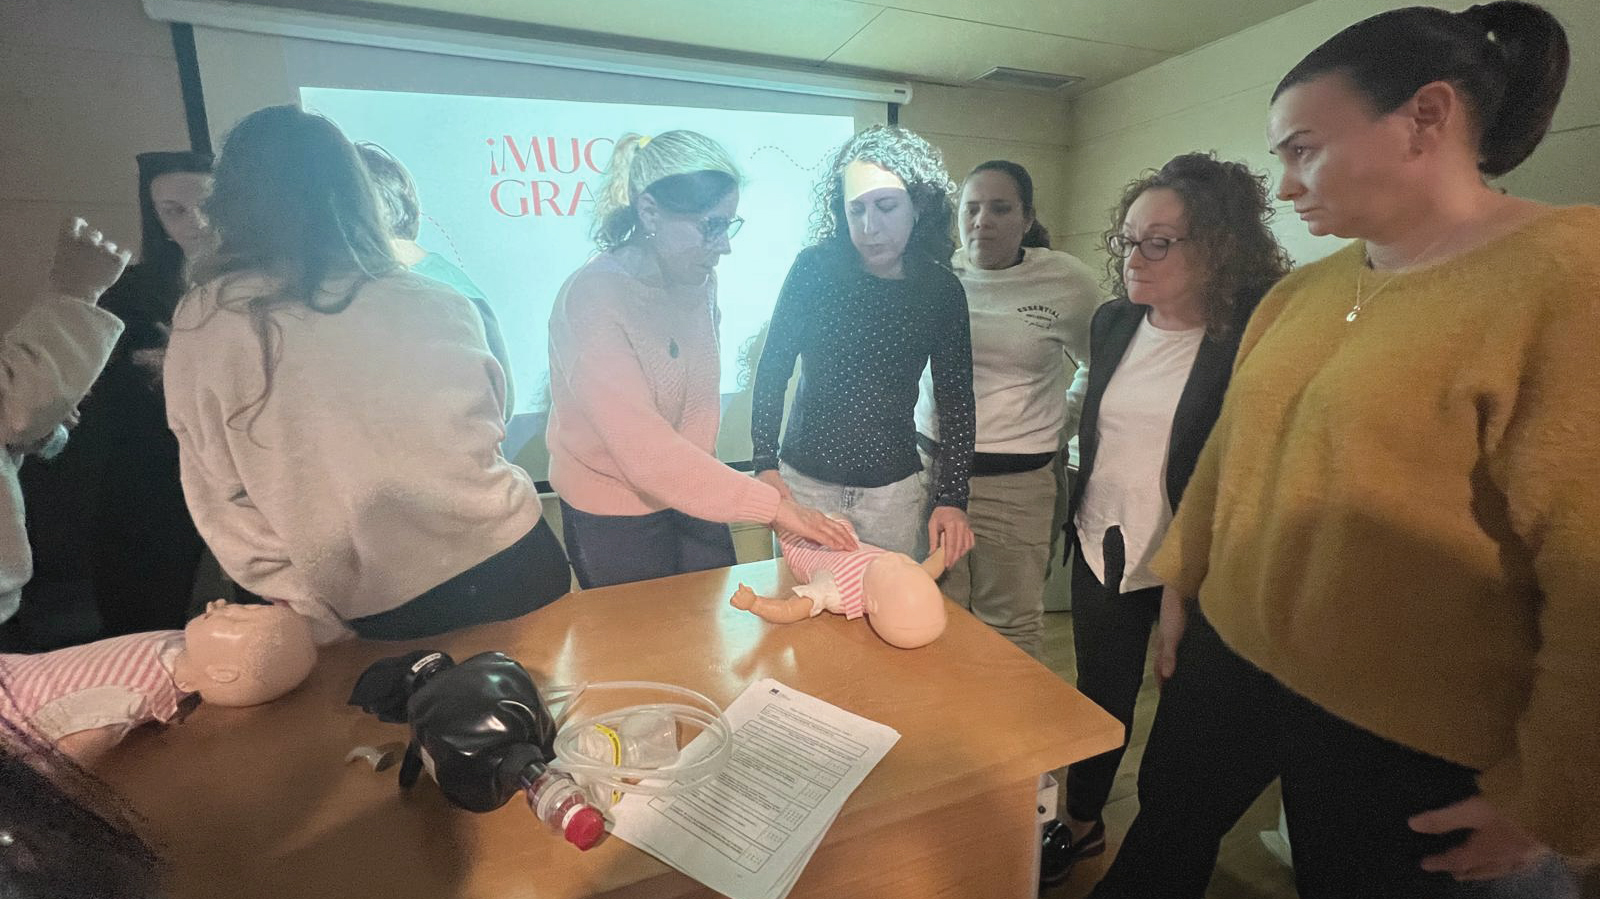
1534 55
1508 60
614 216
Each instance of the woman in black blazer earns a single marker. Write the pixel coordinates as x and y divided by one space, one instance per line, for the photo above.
1190 256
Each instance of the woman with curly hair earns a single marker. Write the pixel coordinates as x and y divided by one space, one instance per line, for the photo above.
865 308
634 374
1190 256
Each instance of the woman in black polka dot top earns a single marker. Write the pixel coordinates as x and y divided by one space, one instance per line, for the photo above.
865 308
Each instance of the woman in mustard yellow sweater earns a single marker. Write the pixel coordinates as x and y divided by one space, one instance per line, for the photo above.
1394 530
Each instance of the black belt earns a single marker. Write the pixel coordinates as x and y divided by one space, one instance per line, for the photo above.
993 463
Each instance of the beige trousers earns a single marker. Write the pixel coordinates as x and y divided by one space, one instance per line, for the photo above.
1002 580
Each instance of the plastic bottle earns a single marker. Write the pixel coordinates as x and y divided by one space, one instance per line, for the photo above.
644 739
558 801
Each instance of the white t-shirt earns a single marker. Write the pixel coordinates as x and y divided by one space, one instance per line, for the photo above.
1030 331
1128 486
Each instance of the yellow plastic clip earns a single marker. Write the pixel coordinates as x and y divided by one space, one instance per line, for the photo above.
616 741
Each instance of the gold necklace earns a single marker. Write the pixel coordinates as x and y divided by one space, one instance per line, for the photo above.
1366 262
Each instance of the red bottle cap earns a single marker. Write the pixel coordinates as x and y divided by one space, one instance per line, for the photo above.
585 828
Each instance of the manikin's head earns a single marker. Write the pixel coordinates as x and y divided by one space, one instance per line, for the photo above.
239 655
903 603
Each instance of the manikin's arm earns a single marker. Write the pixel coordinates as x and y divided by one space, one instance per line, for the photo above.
773 609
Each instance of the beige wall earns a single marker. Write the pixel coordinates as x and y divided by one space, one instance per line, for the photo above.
972 125
86 85
1215 98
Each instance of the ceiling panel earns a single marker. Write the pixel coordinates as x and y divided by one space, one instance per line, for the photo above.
1172 26
949 41
809 30
900 41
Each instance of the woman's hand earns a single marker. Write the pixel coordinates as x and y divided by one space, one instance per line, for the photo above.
807 523
948 527
1169 632
86 263
1496 846
771 478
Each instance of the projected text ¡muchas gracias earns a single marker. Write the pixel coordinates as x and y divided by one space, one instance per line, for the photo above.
572 156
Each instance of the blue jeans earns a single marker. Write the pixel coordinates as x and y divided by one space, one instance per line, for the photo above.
892 517
621 549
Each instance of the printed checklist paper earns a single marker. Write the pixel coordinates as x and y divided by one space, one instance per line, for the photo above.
749 833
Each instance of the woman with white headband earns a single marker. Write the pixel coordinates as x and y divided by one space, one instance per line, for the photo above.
865 309
635 375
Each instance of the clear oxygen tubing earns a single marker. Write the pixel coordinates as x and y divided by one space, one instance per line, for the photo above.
696 709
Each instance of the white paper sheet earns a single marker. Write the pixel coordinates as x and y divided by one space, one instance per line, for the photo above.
749 833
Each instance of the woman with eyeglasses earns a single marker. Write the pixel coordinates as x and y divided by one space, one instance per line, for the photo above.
1190 256
1393 536
635 376
865 309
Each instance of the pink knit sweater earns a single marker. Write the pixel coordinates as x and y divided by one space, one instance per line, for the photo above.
634 399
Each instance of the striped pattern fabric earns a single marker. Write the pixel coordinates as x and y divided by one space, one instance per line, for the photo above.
807 560
133 662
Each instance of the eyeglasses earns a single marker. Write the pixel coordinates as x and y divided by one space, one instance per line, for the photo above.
1152 248
713 228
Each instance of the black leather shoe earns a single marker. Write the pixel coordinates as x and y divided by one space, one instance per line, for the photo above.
1060 853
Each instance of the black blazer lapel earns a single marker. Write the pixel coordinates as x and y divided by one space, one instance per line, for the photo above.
1198 408
1110 333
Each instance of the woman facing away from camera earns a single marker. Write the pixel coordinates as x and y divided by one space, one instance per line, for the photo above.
339 420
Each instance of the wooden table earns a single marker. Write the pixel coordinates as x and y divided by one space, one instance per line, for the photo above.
259 802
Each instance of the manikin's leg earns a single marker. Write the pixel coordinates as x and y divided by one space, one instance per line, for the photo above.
934 564
777 611
87 747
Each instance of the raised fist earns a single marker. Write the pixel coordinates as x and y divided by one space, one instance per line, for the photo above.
86 263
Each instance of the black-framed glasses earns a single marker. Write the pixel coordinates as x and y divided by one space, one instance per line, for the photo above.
717 227
1152 248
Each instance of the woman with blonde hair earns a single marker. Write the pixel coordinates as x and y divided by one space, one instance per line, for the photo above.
635 375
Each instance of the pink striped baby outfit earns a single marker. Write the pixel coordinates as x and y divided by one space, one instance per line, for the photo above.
124 681
831 579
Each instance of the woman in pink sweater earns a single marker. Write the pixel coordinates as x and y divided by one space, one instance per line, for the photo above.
634 375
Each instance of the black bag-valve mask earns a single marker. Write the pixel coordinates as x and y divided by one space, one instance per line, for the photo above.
478 726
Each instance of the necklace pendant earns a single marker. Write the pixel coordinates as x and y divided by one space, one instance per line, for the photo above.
1351 316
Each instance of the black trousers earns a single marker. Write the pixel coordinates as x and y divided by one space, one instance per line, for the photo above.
622 549
527 575
1111 633
1225 729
